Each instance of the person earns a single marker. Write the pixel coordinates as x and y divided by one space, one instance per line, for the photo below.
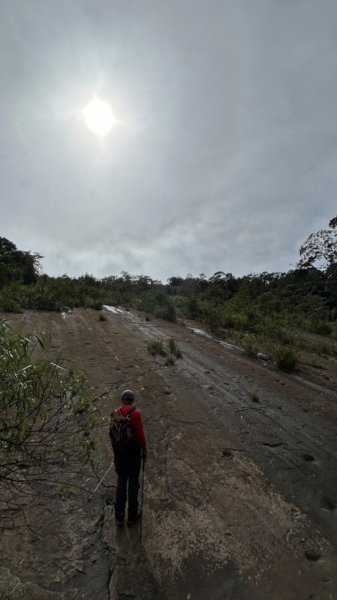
127 461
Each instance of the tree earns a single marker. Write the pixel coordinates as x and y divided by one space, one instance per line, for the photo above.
320 248
17 266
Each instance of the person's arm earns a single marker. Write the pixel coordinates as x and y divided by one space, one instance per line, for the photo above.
139 431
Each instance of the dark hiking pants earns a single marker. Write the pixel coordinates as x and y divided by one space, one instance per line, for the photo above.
127 469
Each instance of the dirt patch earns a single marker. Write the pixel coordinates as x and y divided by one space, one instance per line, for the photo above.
240 494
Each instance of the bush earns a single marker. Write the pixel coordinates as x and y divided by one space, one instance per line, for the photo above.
321 328
173 348
41 417
192 308
270 328
94 304
102 317
320 348
213 316
284 357
249 344
10 306
170 350
155 346
170 362
167 312
230 322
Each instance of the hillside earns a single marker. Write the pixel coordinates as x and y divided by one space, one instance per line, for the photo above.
240 495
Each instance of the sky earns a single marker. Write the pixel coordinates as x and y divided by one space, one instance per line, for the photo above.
224 152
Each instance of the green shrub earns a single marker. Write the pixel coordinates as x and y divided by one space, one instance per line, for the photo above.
230 322
321 348
102 317
278 334
173 348
168 313
169 362
155 346
40 404
192 308
213 316
284 357
321 328
94 304
82 404
10 306
249 343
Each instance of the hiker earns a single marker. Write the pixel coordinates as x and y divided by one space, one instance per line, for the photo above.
129 446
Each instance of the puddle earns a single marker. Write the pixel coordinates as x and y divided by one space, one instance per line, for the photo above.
230 346
200 332
210 337
113 309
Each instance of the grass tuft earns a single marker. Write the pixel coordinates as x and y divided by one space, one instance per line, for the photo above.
155 346
173 348
169 362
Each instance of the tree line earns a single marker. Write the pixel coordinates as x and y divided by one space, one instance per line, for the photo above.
305 296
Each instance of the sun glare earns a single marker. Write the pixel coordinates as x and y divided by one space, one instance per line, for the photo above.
99 117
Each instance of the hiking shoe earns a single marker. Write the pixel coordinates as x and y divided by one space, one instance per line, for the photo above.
135 520
119 522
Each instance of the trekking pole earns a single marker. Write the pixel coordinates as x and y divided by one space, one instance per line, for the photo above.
104 476
142 501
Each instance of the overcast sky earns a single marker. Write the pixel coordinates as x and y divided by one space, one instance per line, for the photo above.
224 155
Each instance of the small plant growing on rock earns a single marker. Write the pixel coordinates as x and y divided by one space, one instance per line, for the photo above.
173 348
254 396
170 350
155 347
102 317
169 362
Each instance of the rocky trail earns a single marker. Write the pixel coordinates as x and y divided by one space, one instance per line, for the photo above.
240 495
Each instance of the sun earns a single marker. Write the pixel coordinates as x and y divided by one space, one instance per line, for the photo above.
99 117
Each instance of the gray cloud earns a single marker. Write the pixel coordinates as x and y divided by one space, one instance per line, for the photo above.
225 153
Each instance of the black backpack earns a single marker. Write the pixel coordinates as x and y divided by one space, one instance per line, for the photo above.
120 430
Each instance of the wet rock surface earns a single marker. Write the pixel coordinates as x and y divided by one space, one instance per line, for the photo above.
239 496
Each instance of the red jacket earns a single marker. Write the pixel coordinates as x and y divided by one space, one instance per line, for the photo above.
136 424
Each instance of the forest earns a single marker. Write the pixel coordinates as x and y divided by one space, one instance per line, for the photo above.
267 312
